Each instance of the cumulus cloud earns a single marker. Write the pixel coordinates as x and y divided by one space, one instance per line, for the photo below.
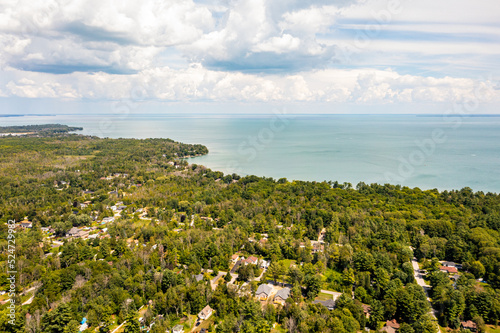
344 51
197 83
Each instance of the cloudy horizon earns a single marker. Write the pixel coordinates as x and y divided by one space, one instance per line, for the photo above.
392 56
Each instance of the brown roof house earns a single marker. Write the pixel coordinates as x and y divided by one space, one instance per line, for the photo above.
205 313
391 326
448 269
366 310
468 325
251 260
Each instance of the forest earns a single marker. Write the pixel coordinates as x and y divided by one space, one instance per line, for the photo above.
131 236
43 130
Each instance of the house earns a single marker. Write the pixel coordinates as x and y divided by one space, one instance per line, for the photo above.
198 277
468 325
448 269
263 292
107 219
84 234
73 232
77 233
45 229
85 204
264 264
366 310
329 303
391 326
205 313
235 258
26 224
281 296
318 247
178 329
450 264
251 260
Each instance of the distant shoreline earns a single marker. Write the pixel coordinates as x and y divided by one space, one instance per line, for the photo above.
24 115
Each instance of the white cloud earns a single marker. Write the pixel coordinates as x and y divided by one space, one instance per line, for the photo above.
249 50
196 83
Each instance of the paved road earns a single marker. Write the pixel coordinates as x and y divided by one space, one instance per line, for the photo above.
29 301
420 281
333 293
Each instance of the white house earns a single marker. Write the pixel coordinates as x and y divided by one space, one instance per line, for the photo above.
205 313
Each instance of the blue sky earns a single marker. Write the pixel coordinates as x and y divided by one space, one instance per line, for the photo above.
394 56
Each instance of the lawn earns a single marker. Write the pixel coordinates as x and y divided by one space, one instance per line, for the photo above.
323 297
205 324
287 262
492 329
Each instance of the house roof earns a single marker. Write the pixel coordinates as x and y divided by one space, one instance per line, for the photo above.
234 256
73 231
468 324
392 323
198 277
448 269
388 329
206 310
252 259
329 303
283 293
264 288
448 263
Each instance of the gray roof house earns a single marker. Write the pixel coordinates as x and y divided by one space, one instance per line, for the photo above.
282 295
263 291
329 303
73 232
198 277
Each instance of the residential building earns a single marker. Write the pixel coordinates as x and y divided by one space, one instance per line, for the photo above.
26 224
73 232
329 303
468 325
263 292
251 260
198 277
448 269
281 296
391 326
205 313
264 264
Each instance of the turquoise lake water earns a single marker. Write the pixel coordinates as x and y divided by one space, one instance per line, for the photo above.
416 151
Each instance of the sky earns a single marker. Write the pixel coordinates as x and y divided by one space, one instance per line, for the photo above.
230 56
